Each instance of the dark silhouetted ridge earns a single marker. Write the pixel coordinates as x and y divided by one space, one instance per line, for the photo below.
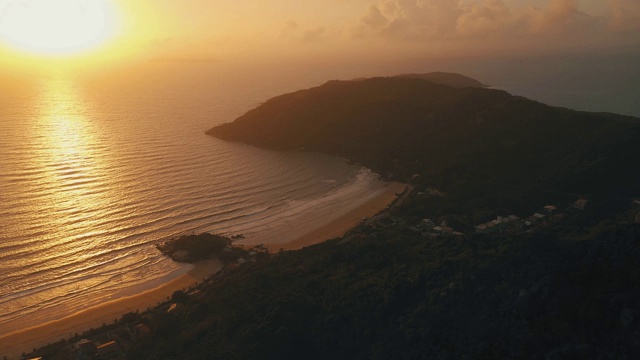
563 286
448 79
509 148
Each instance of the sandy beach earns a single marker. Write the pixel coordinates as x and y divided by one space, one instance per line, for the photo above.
341 225
14 344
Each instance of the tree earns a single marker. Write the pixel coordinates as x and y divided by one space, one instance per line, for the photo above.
179 297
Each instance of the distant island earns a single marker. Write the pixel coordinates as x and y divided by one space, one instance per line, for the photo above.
519 237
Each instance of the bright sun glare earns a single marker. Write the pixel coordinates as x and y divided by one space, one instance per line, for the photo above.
57 27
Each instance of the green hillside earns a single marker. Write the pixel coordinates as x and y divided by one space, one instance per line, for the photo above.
561 284
506 152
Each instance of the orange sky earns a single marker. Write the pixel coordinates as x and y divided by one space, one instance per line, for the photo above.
224 28
231 30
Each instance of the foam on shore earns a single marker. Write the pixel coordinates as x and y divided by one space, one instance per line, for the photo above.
24 340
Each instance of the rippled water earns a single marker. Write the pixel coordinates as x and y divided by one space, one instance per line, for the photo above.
91 177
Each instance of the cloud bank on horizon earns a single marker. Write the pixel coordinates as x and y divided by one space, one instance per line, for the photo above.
501 24
429 19
335 30
420 26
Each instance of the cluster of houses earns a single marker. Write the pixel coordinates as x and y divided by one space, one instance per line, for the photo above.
428 228
508 224
115 343
250 257
513 223
110 345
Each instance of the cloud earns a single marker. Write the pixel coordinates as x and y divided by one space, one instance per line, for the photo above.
289 28
455 19
374 18
489 17
561 16
624 15
313 35
411 19
292 31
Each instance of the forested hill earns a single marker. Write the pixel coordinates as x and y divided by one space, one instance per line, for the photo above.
460 139
443 78
563 286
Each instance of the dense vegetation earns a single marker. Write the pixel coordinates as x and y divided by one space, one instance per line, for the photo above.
564 289
568 290
490 151
196 247
555 294
448 79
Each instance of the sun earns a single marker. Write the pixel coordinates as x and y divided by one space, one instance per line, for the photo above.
57 27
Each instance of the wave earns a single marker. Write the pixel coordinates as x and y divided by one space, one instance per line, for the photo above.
86 195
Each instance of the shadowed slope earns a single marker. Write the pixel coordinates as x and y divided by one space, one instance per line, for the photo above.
448 79
458 139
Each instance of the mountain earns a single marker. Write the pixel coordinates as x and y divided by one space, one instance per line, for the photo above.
490 150
448 79
565 287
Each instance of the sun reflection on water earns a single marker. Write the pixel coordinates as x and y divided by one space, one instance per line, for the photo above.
70 154
63 115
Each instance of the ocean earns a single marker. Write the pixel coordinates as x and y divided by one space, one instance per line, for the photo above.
95 170
93 174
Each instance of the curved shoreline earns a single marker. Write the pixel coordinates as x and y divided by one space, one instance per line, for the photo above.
15 343
344 223
24 340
